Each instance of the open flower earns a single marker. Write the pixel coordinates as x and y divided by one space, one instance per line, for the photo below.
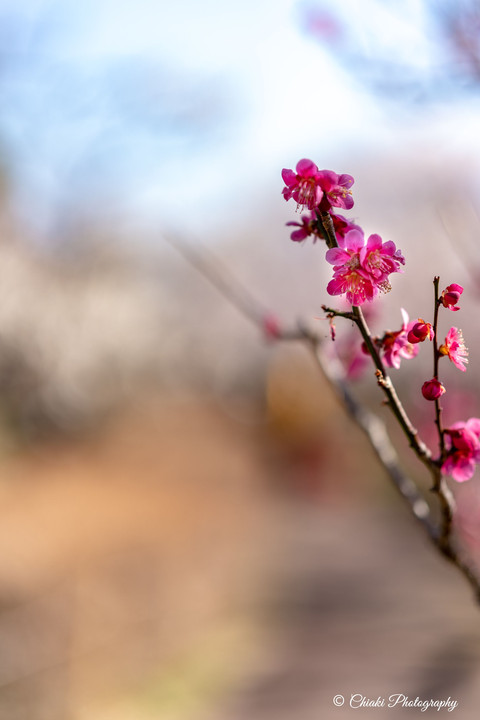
381 259
454 348
463 452
451 295
395 345
361 270
303 185
336 189
349 277
432 389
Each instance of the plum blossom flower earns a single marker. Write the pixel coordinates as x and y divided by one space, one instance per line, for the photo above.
349 277
421 331
432 389
450 296
336 190
395 345
454 348
303 185
311 187
463 453
306 227
361 270
382 259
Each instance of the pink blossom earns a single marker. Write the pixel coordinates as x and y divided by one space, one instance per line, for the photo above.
463 439
395 345
336 190
381 259
306 227
349 277
451 295
454 348
432 389
303 185
420 332
361 271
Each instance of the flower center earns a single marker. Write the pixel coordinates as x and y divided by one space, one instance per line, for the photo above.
306 193
354 262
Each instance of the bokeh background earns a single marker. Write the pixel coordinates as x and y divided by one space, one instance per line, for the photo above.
190 526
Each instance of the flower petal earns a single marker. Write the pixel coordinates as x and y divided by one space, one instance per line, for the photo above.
306 168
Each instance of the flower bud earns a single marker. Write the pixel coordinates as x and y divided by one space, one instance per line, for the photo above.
432 389
451 295
420 332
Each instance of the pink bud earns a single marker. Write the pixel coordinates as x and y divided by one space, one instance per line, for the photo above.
451 296
420 332
432 389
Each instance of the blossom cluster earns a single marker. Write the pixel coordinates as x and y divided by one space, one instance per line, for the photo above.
361 271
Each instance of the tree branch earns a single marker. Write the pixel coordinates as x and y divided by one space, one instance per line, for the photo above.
369 423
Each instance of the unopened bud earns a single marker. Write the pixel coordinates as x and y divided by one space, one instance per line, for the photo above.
432 389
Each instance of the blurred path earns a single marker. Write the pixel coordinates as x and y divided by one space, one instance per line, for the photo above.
363 606
178 566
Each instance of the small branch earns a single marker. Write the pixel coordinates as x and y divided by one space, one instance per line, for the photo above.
381 444
331 313
220 278
377 436
384 381
447 506
440 487
436 357
328 231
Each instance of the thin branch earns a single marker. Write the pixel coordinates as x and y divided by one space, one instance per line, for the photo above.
377 435
326 225
383 379
436 357
218 276
386 384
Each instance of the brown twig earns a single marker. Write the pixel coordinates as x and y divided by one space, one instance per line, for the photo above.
436 357
385 383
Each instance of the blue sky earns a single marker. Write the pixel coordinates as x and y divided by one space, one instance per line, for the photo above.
139 109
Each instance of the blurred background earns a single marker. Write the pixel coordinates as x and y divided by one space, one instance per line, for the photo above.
190 527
